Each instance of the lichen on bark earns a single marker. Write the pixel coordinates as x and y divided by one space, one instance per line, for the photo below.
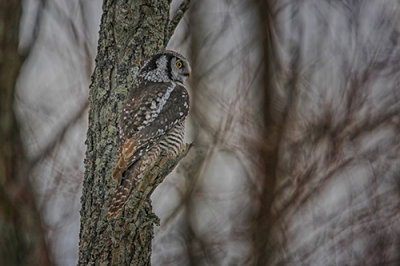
130 32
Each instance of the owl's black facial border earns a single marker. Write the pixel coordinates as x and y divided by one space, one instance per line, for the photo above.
169 69
152 64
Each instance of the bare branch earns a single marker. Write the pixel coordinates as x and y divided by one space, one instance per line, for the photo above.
176 18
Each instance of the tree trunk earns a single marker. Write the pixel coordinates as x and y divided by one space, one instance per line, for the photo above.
264 247
22 239
130 32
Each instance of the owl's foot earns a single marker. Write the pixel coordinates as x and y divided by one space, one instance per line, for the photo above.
183 147
163 161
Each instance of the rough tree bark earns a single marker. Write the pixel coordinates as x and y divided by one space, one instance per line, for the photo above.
22 239
130 32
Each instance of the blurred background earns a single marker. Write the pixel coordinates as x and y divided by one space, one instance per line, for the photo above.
294 123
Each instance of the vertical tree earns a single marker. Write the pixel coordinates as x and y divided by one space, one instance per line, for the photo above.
130 32
271 129
22 238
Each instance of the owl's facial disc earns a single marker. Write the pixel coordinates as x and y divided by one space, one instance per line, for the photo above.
180 69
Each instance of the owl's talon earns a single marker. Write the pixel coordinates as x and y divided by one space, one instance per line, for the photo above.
163 162
183 147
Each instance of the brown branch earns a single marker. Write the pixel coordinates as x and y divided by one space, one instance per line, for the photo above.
176 18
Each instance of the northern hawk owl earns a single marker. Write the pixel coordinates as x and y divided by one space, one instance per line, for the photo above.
152 121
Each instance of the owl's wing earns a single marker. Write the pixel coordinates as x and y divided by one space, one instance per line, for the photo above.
146 116
170 109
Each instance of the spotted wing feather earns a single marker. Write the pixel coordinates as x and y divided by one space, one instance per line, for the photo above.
144 113
168 111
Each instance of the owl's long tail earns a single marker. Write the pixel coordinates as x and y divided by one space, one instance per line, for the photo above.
120 198
133 178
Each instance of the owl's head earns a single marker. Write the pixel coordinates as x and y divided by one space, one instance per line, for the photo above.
166 66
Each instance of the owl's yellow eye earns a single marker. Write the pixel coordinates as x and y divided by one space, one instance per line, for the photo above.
179 64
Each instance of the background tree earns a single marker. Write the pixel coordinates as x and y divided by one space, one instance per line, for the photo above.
22 239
